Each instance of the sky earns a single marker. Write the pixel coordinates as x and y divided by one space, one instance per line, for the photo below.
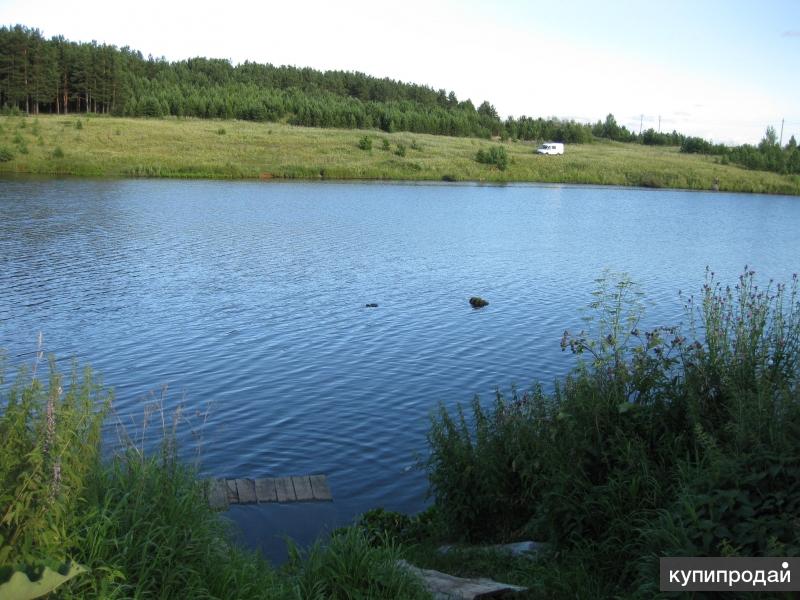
723 70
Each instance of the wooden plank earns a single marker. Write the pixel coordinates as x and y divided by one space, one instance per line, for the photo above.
265 490
233 495
302 488
319 487
247 491
218 494
285 489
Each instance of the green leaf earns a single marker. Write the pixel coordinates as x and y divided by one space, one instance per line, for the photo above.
20 587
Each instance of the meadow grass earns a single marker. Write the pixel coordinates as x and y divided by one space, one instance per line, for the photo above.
194 148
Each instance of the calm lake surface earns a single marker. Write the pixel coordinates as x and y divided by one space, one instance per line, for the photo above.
248 301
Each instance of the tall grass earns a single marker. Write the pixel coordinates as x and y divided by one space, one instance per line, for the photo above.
660 443
140 523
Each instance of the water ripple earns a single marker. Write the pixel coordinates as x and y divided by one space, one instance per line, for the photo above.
248 300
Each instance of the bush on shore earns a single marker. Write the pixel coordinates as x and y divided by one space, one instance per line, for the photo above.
660 443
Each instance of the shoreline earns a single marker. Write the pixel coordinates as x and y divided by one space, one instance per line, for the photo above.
25 176
97 146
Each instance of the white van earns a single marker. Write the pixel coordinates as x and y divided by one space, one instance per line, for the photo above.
550 148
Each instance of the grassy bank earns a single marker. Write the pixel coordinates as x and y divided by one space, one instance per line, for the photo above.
116 147
138 526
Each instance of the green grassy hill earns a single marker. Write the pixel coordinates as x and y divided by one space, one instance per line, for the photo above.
123 147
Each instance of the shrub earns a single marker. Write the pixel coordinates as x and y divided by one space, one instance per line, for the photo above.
365 143
401 150
6 154
49 440
496 155
221 131
659 443
78 124
58 152
385 145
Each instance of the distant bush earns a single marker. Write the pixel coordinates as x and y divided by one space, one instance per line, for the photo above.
78 124
58 152
10 111
496 155
221 131
401 150
6 154
385 145
696 145
415 146
365 143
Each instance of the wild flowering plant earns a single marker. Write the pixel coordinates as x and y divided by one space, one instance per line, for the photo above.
49 440
635 363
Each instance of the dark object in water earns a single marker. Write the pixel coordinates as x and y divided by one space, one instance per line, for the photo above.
372 305
477 302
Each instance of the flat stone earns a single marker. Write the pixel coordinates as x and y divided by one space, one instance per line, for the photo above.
447 587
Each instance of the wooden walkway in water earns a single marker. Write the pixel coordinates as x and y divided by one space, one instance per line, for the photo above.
305 488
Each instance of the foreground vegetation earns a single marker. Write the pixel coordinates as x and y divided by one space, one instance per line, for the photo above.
120 147
138 526
665 442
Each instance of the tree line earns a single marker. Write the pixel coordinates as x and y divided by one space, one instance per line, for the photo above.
39 75
768 155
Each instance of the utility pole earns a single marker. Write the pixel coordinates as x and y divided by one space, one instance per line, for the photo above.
659 123
641 118
780 143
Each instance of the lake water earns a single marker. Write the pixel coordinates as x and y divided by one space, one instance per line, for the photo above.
248 301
